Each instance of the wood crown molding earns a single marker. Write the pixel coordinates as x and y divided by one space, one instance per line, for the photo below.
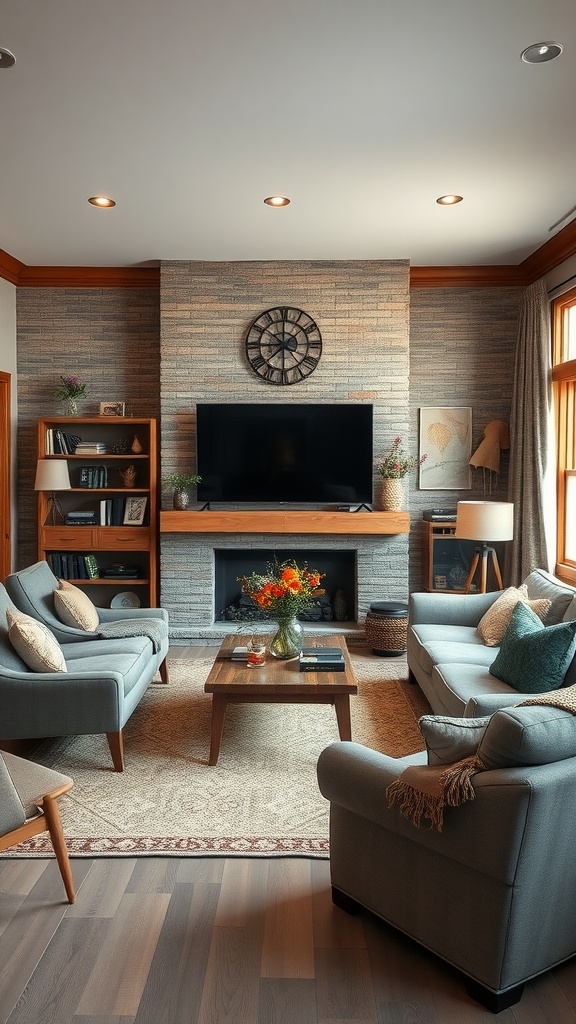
539 263
89 277
10 269
467 277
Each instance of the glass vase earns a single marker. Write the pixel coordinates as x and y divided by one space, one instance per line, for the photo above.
71 406
287 640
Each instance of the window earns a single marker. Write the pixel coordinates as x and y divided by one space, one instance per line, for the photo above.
564 380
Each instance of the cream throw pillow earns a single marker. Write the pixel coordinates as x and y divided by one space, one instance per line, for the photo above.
492 625
34 642
74 607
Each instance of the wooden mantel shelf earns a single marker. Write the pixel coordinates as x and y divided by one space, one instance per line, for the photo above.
280 521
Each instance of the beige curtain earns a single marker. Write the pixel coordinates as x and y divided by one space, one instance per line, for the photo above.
529 434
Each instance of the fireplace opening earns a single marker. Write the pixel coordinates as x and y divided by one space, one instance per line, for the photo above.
339 567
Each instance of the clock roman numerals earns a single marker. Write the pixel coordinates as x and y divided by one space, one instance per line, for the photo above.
283 345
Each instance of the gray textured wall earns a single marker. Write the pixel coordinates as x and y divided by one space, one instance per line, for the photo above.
462 344
108 337
361 308
457 350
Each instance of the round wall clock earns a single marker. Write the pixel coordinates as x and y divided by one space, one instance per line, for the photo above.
283 345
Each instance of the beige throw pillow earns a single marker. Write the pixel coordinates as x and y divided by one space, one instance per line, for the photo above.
34 642
74 607
492 625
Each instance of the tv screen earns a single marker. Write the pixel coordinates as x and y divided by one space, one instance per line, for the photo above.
285 453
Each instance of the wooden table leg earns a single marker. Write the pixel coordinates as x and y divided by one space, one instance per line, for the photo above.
342 705
218 712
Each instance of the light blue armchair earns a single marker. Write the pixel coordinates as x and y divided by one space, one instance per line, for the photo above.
492 893
32 591
104 682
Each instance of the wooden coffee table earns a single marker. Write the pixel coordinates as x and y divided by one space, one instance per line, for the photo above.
277 682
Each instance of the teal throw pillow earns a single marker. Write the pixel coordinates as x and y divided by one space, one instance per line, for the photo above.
534 658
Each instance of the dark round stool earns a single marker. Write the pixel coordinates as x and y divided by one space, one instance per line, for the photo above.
387 627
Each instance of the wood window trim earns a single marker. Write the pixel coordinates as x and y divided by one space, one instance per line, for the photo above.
5 463
564 383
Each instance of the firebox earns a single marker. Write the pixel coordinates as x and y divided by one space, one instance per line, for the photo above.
339 569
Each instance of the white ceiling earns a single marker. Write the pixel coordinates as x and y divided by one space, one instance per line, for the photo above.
190 112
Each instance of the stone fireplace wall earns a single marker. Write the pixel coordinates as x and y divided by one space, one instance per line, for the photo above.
362 310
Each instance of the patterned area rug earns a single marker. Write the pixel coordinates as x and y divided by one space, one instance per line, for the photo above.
262 797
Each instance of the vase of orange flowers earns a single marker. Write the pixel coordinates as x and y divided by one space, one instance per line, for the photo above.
284 590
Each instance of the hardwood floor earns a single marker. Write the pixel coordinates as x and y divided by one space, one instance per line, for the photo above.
168 940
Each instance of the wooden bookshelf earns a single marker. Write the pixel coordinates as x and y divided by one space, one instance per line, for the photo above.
110 543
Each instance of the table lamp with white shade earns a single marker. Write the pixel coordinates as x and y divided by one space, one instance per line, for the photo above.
52 475
486 522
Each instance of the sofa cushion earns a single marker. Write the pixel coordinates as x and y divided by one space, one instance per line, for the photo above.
492 625
34 642
131 665
451 739
528 735
80 650
453 685
431 644
534 658
542 584
74 607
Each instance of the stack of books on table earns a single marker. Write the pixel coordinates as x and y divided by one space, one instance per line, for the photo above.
321 659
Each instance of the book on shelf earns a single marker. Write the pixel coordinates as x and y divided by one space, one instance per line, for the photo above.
112 511
73 565
92 569
61 442
93 476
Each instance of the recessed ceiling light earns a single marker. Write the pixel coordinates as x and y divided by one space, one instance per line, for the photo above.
539 53
102 201
276 201
449 200
7 59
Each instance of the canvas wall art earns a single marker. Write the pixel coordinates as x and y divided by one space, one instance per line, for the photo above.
446 440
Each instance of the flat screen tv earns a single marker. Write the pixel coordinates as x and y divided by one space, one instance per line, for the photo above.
279 452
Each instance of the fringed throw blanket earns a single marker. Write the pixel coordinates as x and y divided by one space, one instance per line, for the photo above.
423 791
154 629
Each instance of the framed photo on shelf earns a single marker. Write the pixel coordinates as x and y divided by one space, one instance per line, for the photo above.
135 511
112 408
446 440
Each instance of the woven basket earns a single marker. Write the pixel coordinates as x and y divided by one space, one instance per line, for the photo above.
387 635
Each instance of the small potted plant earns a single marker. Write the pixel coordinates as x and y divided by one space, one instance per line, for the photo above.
182 482
393 467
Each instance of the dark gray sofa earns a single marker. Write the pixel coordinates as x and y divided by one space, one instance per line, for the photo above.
447 657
